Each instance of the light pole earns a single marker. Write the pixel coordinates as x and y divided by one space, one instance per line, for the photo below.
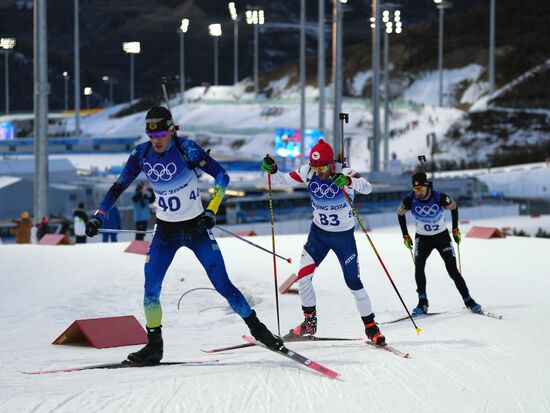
236 19
76 74
41 92
131 48
66 81
87 93
321 63
7 44
215 30
388 30
376 86
256 18
109 82
492 25
183 29
302 80
441 5
337 30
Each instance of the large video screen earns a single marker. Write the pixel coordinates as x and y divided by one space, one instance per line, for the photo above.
287 141
6 131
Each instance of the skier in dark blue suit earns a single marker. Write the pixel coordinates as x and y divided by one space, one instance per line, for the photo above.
426 205
169 163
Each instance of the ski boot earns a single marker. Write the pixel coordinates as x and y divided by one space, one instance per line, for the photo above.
308 326
372 330
152 352
261 333
472 305
422 306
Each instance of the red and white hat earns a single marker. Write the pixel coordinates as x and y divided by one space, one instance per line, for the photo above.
321 154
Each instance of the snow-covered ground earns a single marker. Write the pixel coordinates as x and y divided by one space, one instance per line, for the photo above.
461 362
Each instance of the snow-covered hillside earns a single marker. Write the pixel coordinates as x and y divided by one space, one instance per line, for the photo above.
245 129
229 121
460 362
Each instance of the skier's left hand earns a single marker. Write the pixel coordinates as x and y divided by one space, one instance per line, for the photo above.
341 180
94 223
206 220
457 235
269 165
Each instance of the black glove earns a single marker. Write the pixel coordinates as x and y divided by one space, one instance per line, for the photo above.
206 220
269 165
93 224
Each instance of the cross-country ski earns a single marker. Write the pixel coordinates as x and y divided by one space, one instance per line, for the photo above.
123 365
319 368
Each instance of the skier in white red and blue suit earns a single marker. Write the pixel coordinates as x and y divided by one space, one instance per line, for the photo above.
332 229
426 205
169 163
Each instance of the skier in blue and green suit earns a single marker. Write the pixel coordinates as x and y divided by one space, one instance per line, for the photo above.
169 163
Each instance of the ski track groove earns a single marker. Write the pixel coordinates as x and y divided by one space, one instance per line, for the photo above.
401 377
541 390
267 388
111 402
178 384
249 391
68 400
454 377
489 395
514 394
300 381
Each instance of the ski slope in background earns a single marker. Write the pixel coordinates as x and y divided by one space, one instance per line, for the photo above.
461 362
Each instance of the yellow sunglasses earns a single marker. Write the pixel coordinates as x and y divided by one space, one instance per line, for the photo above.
322 168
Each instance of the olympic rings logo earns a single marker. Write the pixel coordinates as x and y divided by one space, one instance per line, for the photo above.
159 171
323 190
427 211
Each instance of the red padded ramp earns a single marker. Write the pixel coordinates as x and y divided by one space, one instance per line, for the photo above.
285 286
104 332
485 233
55 239
138 247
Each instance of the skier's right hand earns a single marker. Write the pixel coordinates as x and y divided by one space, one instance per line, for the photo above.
94 223
269 165
407 240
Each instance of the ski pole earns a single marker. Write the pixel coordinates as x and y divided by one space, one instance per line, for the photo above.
289 260
132 231
163 81
459 262
418 329
412 256
344 117
273 246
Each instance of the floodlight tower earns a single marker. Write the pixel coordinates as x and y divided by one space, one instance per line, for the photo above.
7 44
441 5
215 30
183 29
236 18
131 48
256 18
389 29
